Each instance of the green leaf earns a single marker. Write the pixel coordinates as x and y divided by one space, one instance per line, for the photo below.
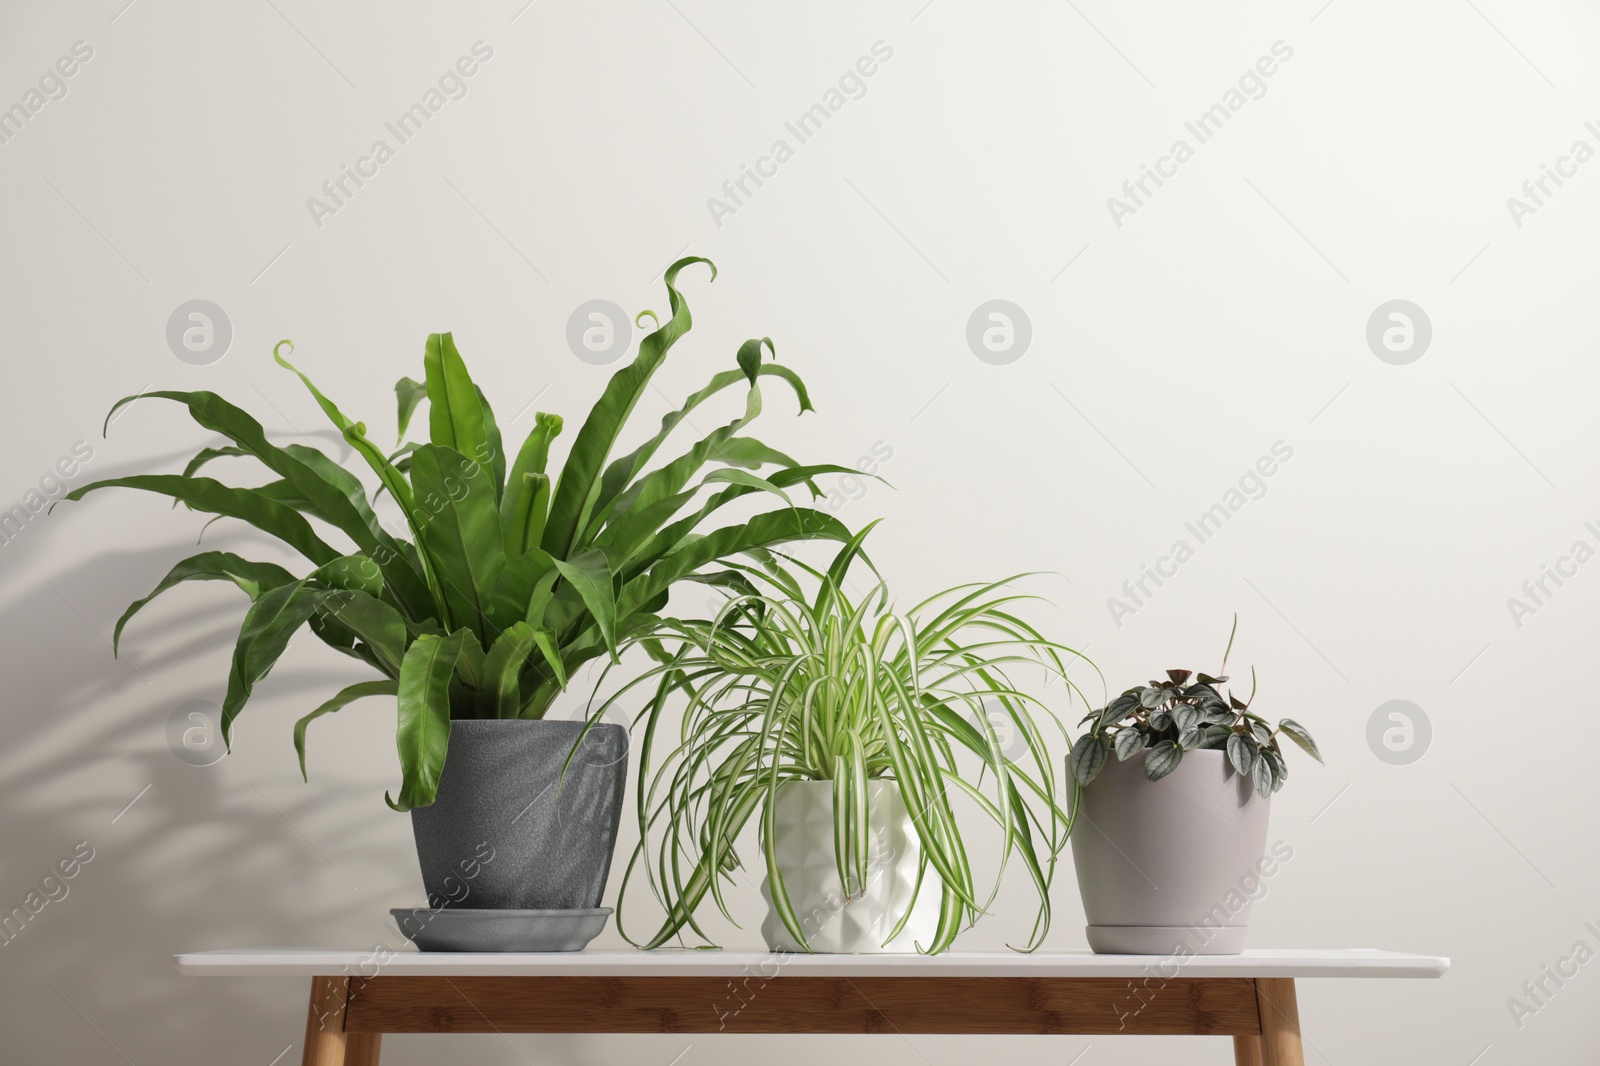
213 497
545 641
355 573
1241 753
736 451
408 394
523 511
578 487
1297 733
762 531
523 589
1088 756
455 409
750 481
504 665
749 357
471 661
589 574
1129 742
423 734
1150 697
751 454
497 448
355 434
522 517
670 479
618 538
345 697
1163 759
460 531
1186 717
268 625
1280 769
1262 772
1116 710
372 621
254 578
312 482
205 455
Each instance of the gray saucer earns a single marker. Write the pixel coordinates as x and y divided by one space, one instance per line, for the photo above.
461 929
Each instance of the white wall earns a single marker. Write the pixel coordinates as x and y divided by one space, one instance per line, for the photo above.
1226 314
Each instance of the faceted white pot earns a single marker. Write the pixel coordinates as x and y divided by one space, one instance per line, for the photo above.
832 923
1170 867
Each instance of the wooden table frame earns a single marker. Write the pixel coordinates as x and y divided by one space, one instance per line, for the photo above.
349 1015
357 997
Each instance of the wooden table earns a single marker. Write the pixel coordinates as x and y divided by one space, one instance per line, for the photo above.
356 996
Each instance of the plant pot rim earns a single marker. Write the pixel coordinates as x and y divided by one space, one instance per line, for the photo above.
495 722
1113 764
1137 762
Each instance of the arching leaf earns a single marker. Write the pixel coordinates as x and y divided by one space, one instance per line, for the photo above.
254 578
213 497
345 697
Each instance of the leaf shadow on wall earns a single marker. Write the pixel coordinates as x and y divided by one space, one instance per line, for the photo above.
185 857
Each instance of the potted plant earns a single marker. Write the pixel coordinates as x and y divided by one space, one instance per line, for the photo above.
1170 853
845 730
481 583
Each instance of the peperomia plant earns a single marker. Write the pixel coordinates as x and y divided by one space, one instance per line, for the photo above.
488 580
1168 717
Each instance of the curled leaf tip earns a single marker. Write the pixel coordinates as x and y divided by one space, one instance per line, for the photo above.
278 348
655 320
672 271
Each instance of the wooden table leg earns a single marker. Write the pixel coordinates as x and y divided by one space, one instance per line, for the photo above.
1247 1051
361 1049
327 1043
1280 1022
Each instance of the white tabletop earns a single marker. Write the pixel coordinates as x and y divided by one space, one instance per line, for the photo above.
312 962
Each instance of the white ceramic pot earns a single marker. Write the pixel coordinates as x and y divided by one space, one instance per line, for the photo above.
833 923
1171 866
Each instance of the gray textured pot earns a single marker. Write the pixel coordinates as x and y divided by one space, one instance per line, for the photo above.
507 832
1171 866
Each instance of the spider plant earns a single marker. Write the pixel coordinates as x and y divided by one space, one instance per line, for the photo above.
514 575
785 685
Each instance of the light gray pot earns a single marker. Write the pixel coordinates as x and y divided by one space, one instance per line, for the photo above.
507 831
1170 866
